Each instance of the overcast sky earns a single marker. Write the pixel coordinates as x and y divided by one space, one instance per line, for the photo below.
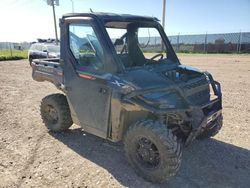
27 20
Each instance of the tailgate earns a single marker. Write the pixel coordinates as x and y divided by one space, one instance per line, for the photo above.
47 70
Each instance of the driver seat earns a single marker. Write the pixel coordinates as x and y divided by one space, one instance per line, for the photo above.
134 50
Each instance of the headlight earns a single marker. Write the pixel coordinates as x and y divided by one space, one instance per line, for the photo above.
127 89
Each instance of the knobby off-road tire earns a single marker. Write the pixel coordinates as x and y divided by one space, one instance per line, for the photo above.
55 112
152 150
30 61
215 128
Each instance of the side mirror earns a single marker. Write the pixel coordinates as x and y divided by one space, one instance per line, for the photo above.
118 42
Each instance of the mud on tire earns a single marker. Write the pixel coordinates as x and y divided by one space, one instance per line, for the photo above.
55 112
152 150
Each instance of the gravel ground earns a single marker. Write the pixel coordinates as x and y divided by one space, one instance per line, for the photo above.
32 157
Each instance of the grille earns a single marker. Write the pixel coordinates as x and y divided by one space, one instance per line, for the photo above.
200 98
195 84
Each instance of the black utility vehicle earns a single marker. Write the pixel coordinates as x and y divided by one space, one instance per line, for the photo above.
123 82
43 49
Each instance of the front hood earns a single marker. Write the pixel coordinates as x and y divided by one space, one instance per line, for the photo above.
166 87
147 78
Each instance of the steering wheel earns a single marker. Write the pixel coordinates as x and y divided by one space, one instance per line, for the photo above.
157 55
124 49
124 46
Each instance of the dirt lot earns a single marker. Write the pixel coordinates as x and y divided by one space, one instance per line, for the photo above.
30 156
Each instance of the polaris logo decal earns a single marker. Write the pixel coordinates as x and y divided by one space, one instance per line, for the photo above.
119 84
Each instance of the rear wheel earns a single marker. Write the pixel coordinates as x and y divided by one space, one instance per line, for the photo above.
152 150
212 129
55 112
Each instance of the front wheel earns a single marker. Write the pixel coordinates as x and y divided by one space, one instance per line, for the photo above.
30 61
152 150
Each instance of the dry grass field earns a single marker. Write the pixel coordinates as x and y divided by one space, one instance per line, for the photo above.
30 156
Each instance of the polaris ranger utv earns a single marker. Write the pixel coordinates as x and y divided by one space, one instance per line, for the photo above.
122 81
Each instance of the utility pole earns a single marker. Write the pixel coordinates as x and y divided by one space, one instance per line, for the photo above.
163 20
54 14
72 6
163 13
53 3
73 10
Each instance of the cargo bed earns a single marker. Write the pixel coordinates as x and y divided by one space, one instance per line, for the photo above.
48 70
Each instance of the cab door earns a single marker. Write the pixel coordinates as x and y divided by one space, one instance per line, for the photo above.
86 75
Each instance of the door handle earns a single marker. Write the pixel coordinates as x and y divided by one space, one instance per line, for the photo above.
103 90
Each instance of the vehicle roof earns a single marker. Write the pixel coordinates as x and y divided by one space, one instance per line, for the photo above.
108 17
44 43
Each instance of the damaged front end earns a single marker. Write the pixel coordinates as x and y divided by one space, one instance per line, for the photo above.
187 107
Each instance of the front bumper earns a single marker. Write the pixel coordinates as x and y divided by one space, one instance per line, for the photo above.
215 103
207 122
210 111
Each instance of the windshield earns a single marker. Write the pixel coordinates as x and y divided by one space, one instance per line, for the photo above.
137 44
52 48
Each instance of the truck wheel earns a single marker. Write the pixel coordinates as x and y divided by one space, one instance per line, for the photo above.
55 112
30 60
212 130
152 150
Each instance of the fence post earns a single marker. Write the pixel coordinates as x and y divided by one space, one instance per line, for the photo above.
240 41
205 44
10 49
178 42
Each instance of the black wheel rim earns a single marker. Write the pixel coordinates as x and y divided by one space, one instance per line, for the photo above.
51 114
147 153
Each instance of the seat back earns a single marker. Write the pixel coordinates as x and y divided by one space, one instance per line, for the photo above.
134 50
